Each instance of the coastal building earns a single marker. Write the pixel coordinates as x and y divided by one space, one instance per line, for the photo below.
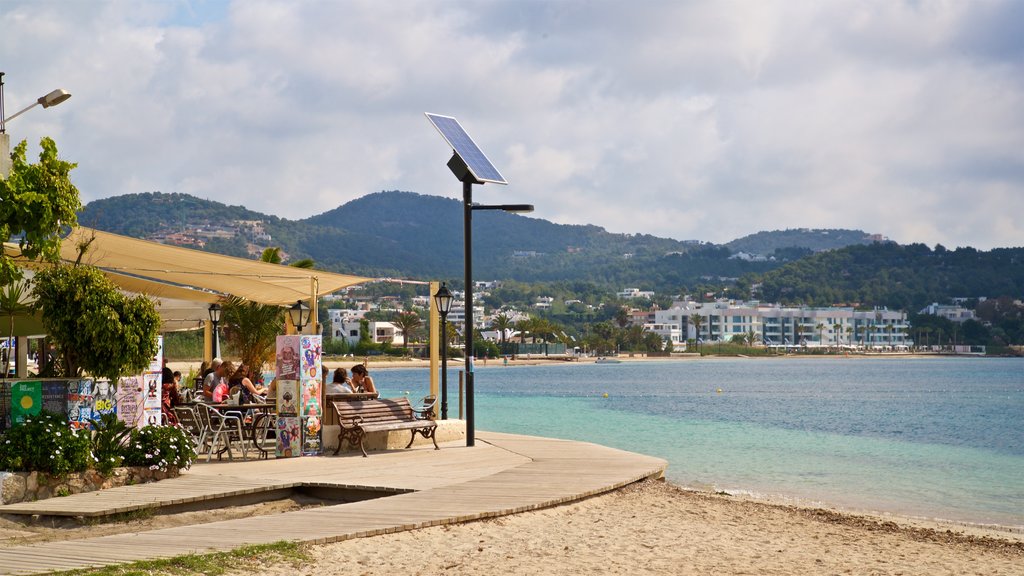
630 293
776 325
954 313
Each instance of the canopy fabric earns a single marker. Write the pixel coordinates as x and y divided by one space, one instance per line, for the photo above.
161 270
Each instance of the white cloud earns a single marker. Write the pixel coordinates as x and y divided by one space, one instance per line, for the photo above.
689 120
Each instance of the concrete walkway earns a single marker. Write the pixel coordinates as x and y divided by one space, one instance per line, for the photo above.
502 474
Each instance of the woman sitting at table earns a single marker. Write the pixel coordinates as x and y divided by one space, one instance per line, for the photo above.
361 380
340 384
249 390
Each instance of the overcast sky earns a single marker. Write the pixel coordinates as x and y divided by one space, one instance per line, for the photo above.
690 120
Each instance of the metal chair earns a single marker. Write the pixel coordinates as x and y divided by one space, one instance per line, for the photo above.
223 428
425 410
190 420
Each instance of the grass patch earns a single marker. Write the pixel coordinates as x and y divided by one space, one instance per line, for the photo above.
247 558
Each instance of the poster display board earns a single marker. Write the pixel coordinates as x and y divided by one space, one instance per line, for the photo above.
311 384
299 395
138 397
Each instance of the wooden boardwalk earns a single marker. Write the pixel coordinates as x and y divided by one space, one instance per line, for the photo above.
502 474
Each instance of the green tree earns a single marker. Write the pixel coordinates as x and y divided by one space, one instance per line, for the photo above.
821 333
698 322
36 201
97 328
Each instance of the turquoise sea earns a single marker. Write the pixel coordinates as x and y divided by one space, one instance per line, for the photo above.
934 438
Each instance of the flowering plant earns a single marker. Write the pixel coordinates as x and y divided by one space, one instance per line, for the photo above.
160 448
45 443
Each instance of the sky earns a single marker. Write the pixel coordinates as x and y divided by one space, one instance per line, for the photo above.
687 120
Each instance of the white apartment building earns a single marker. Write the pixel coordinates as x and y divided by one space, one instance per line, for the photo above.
457 316
953 313
630 293
346 324
776 325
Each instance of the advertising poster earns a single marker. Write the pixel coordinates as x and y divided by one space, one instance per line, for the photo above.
26 400
80 403
311 436
55 396
104 399
289 436
311 351
151 399
287 397
129 400
287 363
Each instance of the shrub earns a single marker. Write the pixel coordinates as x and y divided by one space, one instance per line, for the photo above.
45 443
159 448
108 442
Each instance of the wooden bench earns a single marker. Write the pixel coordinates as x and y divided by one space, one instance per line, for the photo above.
356 418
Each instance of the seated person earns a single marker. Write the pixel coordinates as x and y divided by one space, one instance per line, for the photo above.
211 378
340 384
361 380
249 390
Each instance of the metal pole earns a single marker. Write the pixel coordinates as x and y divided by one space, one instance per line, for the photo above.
216 351
467 209
444 366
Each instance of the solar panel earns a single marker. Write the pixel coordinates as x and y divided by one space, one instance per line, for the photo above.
479 166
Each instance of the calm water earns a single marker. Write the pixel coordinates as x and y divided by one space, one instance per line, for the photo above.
939 438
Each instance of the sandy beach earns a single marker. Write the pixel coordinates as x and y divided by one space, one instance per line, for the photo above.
651 527
657 528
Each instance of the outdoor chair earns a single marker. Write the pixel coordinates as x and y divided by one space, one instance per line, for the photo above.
223 430
425 410
189 419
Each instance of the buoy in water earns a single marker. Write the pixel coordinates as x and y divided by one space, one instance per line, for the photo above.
719 390
605 394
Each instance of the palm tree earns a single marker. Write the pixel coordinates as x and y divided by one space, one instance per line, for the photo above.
251 329
821 331
837 330
273 256
698 322
622 317
849 335
502 323
13 302
407 322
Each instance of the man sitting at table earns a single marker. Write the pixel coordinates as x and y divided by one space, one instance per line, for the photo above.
211 380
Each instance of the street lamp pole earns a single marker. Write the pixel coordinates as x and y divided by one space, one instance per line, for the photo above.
443 300
215 319
467 234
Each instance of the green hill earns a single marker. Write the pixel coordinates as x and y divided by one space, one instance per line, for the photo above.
901 277
812 240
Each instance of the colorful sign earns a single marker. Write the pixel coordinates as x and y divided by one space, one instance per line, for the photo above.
80 403
289 436
288 361
311 387
104 398
287 397
26 400
55 396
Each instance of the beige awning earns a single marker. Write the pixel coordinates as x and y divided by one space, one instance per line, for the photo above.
162 271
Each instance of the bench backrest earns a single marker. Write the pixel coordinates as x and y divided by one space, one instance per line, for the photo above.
374 411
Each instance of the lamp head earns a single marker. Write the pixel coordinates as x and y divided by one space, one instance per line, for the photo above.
299 314
443 299
53 98
214 313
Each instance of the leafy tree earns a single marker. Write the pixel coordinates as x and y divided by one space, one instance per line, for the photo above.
36 200
97 328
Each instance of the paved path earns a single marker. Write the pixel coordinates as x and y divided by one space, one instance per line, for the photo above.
502 474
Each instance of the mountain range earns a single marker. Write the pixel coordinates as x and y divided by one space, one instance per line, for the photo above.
404 234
